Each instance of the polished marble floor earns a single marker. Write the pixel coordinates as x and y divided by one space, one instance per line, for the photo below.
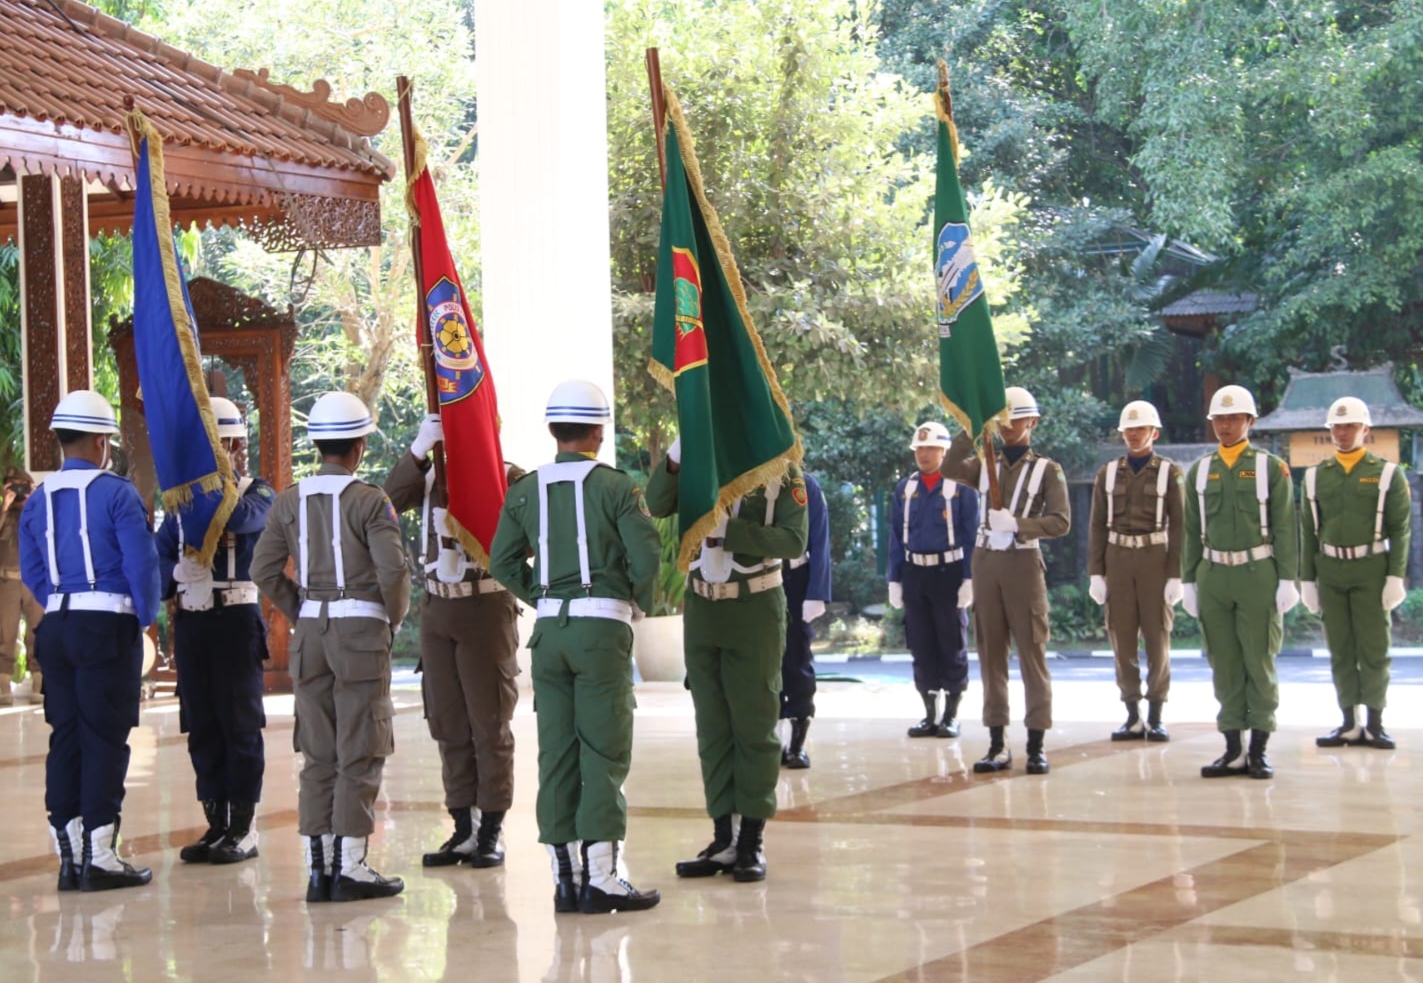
889 861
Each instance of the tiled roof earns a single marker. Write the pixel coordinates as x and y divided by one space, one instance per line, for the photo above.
1309 394
1207 302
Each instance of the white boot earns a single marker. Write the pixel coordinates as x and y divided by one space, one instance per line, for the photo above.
69 846
356 880
103 870
605 888
318 851
567 863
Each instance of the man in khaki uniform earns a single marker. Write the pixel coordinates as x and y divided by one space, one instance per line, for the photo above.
469 641
351 592
1134 562
15 598
1010 599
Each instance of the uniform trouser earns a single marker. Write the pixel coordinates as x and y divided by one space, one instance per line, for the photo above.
16 600
733 651
1357 628
341 675
1010 604
219 655
1242 632
1136 607
583 703
92 663
935 626
797 665
469 658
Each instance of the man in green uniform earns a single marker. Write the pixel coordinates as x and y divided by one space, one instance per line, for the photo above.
734 633
469 644
1357 524
1238 559
1010 596
351 592
1134 564
595 553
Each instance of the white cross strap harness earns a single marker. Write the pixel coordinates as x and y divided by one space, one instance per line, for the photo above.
1033 477
954 553
433 585
575 472
1238 558
1157 537
1379 545
342 607
90 600
716 563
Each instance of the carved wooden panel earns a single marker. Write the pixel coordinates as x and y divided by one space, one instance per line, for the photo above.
41 320
74 254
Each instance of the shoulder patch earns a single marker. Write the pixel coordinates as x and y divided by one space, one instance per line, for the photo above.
266 490
798 493
390 511
1284 469
642 503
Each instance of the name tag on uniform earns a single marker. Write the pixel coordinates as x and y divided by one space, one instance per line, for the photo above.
1245 474
1368 481
1213 476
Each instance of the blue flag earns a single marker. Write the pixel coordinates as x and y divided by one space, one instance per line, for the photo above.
193 470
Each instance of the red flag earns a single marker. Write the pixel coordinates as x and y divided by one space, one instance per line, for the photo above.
469 411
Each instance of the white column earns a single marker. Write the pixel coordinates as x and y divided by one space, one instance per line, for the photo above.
543 189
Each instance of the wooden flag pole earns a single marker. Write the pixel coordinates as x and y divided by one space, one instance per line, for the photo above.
422 331
659 110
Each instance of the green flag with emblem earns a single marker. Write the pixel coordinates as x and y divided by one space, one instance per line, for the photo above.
732 417
970 374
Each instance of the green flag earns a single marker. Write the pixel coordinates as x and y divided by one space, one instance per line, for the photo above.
970 375
732 417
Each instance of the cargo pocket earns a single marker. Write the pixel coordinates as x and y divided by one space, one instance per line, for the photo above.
1042 623
382 735
508 688
296 732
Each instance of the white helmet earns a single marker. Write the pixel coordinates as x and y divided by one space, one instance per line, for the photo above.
1020 403
84 411
930 434
1349 409
1232 399
577 401
1139 413
338 416
229 418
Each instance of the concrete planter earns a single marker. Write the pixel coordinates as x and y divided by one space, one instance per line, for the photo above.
657 649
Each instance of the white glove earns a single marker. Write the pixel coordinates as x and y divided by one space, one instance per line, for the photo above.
1393 592
1188 600
674 453
966 594
440 519
1001 520
1172 593
1097 588
896 594
450 567
1000 540
189 571
811 610
1309 595
1286 596
431 432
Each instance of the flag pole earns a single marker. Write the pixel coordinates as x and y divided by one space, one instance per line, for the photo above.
426 343
659 110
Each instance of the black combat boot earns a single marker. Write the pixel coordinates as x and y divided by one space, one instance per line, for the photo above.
216 813
487 850
1133 729
102 869
68 843
567 875
1037 760
1374 734
1154 730
1232 763
240 843
1348 732
720 854
1256 762
604 887
750 864
998 758
949 722
319 852
795 756
461 843
352 879
929 726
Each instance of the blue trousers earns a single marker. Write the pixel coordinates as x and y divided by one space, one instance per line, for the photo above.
797 669
935 626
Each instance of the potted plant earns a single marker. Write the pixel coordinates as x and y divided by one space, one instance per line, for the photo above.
657 638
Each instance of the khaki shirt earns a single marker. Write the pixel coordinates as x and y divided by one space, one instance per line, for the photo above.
371 547
1134 510
1049 513
1347 504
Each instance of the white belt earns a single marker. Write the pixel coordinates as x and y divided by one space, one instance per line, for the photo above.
586 607
1238 558
732 588
933 559
347 607
985 544
463 588
230 593
1136 542
1354 552
91 600
798 562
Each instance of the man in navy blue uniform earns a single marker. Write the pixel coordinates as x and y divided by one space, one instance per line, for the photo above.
807 586
87 555
220 643
931 537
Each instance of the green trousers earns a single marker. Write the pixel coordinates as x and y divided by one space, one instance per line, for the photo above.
583 701
1357 628
733 650
1242 633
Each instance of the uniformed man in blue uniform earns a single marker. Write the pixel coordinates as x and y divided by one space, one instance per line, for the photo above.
87 555
220 643
807 587
932 523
